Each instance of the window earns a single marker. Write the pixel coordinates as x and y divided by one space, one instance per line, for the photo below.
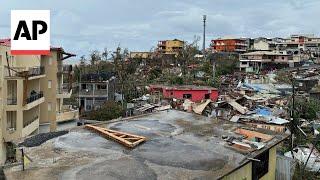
49 106
260 168
50 61
187 96
49 84
101 86
11 120
83 86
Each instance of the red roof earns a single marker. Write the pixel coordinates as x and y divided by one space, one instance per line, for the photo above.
182 87
7 42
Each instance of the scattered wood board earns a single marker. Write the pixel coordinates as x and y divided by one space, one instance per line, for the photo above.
126 139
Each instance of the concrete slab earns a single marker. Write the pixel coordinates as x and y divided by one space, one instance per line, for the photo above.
180 145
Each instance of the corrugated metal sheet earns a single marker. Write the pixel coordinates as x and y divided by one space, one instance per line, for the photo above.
285 168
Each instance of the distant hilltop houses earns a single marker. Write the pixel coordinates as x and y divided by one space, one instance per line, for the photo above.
255 54
164 47
266 53
293 44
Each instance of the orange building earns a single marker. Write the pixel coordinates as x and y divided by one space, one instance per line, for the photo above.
229 45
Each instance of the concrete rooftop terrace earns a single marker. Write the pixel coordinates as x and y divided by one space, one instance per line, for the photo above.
180 145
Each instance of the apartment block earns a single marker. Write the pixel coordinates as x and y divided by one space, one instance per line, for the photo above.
170 46
264 60
96 89
227 44
307 43
27 86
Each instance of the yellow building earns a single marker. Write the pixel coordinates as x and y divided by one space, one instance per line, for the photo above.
26 90
170 46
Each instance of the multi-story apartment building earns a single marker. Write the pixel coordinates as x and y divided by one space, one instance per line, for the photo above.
238 45
170 46
303 42
264 44
264 60
301 47
96 89
28 94
56 86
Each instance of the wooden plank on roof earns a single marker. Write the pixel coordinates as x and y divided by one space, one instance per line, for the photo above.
126 139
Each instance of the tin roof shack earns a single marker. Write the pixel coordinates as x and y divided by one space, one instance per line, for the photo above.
193 93
306 84
315 92
180 145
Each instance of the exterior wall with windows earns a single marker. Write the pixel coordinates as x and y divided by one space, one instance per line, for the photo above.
229 45
23 83
93 94
193 95
49 87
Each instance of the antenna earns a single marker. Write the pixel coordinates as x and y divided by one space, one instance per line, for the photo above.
204 34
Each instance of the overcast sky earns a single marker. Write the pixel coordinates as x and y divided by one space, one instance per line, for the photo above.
81 26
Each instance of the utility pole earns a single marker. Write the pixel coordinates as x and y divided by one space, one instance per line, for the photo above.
292 115
204 35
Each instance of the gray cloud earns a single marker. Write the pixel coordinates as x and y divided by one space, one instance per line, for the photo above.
82 26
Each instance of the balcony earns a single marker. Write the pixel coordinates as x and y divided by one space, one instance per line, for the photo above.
240 50
241 44
32 72
33 100
30 126
93 93
67 113
64 93
33 97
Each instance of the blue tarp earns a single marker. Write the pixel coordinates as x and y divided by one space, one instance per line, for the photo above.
263 111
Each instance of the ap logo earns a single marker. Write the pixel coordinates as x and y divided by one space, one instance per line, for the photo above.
30 32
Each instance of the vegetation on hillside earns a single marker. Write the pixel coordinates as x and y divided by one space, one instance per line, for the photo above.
109 110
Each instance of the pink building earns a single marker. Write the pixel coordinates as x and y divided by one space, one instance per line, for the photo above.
193 93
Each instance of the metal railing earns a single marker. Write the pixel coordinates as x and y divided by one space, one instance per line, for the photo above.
62 90
89 92
11 101
26 123
36 71
23 71
34 97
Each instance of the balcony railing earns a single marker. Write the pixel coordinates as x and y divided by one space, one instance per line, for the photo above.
26 123
34 97
88 92
63 90
11 101
23 71
36 71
